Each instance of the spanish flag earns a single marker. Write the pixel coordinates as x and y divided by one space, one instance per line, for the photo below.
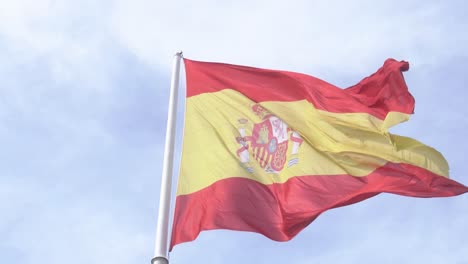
268 151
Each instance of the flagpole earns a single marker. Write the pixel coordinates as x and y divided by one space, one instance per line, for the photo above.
162 228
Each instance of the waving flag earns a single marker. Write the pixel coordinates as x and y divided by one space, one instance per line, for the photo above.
268 151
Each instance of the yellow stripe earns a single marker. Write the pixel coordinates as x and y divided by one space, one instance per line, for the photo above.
334 143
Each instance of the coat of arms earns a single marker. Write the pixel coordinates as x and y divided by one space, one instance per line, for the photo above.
268 144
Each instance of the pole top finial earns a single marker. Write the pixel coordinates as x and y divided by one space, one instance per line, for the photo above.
179 53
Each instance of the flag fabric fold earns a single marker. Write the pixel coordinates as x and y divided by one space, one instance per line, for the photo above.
268 151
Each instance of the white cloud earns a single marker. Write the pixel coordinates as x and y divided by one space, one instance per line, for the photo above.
64 37
334 35
294 35
83 231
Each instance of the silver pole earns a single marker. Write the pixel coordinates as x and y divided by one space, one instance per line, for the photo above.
162 228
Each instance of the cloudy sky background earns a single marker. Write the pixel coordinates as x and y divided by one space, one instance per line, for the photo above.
83 105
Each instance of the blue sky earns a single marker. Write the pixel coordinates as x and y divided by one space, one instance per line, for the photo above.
83 104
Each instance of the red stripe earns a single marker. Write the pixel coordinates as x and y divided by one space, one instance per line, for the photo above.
382 92
280 211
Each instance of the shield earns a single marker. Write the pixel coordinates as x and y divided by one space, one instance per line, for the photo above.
270 143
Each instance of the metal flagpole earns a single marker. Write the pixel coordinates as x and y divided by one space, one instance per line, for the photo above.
162 228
